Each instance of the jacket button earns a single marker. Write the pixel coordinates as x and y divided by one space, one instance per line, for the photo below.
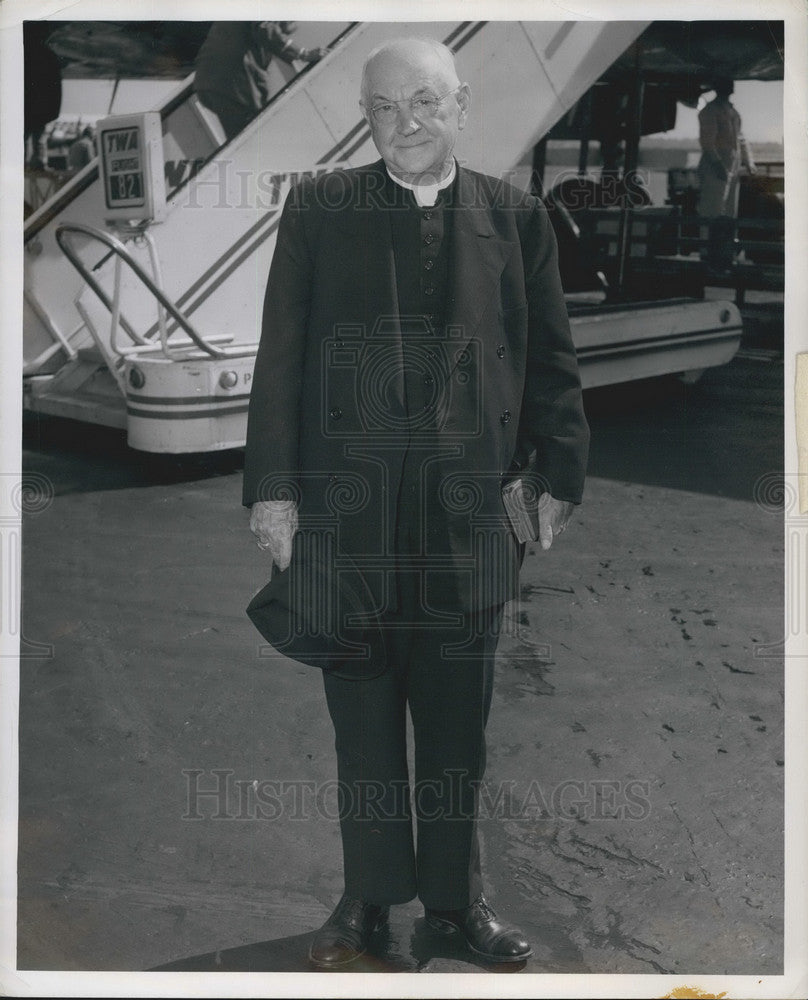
500 351
428 265
429 238
332 478
505 416
427 215
335 413
429 291
428 380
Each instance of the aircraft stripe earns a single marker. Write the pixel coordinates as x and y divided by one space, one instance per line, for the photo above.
214 411
457 31
234 265
185 400
558 39
357 145
214 267
468 36
653 343
327 157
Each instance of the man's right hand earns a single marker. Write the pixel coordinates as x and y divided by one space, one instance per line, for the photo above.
274 523
313 55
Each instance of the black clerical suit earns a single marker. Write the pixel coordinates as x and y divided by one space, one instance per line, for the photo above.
410 359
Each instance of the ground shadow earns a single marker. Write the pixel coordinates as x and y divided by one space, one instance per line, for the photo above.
721 436
80 458
397 948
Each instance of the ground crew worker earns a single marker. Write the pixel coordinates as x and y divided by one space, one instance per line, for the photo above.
723 153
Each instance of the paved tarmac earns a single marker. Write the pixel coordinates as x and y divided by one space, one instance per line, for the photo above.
632 817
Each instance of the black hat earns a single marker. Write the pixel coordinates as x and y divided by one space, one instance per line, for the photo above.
319 611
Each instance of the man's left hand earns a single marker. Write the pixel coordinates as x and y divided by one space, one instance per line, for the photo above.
554 516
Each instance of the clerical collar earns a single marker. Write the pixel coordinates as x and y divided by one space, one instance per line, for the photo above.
426 194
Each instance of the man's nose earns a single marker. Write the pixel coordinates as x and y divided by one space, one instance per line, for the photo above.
406 120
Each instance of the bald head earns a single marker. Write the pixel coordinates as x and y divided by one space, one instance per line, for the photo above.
427 54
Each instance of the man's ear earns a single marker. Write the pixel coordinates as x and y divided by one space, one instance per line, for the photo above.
464 103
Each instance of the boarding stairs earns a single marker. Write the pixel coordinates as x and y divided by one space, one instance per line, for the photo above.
156 330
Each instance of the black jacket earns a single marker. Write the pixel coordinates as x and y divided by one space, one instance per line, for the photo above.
322 420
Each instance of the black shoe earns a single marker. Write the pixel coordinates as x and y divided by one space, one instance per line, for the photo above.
484 933
346 933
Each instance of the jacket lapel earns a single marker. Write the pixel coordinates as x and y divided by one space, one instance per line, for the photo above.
380 287
372 239
479 257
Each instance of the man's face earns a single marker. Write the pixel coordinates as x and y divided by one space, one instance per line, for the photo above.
416 147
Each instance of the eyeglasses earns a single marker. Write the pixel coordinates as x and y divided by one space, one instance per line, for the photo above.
420 108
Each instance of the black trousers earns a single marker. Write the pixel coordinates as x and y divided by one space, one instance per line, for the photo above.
444 672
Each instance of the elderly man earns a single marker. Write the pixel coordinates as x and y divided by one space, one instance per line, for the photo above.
415 351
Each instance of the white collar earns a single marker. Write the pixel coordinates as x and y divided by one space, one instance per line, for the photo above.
426 194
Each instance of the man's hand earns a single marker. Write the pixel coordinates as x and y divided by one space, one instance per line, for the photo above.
274 523
553 518
313 55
